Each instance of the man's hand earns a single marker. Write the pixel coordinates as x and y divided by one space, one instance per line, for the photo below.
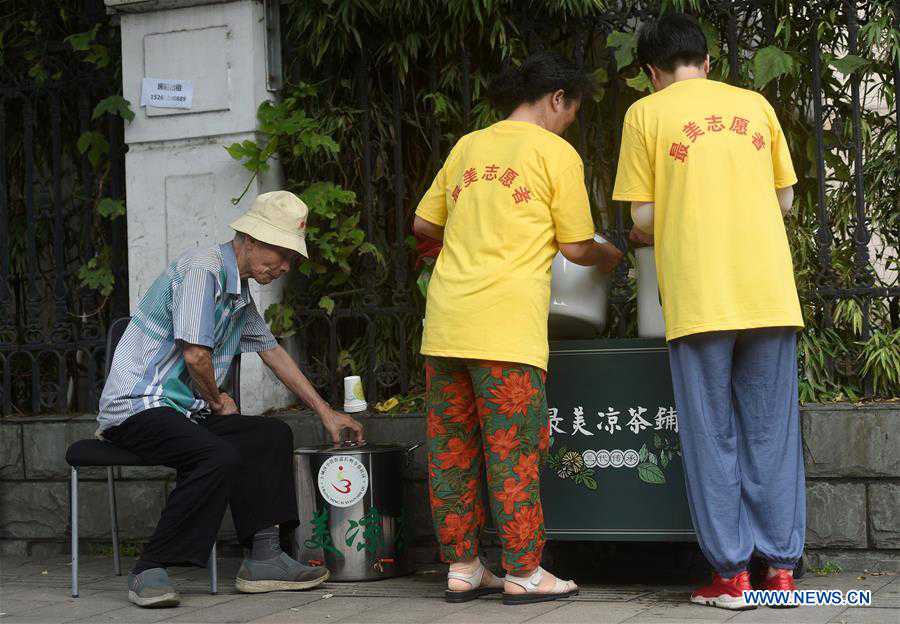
334 422
225 406
640 238
285 368
198 360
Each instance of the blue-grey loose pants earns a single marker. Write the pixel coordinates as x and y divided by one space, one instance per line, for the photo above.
739 423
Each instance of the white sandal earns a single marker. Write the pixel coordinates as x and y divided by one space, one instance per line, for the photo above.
562 589
474 581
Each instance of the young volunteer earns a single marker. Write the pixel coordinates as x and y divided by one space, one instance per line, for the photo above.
707 170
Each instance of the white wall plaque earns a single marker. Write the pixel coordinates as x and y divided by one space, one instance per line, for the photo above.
200 55
167 93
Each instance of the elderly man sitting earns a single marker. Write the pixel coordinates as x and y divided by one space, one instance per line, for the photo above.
162 401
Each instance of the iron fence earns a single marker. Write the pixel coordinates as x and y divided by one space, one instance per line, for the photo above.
52 328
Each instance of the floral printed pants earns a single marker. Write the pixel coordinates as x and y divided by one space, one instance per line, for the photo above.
491 414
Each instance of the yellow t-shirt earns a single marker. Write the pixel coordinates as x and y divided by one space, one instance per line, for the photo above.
506 196
710 156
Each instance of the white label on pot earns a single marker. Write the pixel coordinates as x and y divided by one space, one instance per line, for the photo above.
343 480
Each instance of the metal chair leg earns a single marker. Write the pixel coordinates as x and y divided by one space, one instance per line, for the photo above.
73 515
113 520
213 566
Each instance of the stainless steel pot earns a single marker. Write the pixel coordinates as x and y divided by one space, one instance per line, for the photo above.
356 525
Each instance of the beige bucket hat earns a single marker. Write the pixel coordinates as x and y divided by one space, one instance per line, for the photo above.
277 218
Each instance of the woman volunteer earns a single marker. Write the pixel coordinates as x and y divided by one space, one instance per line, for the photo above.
507 198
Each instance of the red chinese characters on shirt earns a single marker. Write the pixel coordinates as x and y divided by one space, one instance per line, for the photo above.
521 194
508 176
692 131
714 123
739 125
758 141
470 176
679 151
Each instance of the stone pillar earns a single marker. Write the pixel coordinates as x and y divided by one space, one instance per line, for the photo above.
180 180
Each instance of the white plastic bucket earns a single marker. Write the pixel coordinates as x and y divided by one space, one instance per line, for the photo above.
579 297
650 314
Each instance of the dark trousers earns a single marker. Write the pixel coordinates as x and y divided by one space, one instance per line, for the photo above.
244 461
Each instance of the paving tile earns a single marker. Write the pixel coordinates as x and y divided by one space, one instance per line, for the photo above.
8 563
494 611
622 593
846 581
10 607
880 586
63 579
888 595
800 615
328 610
666 595
33 593
893 583
680 612
867 615
69 609
36 567
63 584
247 608
129 613
412 586
594 612
406 610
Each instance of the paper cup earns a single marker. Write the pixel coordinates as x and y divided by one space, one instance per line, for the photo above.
354 398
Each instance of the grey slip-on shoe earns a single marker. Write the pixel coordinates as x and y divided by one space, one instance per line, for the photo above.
278 574
152 588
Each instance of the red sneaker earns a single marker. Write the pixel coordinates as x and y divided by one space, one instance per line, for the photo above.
782 580
725 593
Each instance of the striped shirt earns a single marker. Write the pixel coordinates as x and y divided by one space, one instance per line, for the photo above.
200 299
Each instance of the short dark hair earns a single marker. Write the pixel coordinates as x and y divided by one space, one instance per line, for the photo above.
673 40
541 73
